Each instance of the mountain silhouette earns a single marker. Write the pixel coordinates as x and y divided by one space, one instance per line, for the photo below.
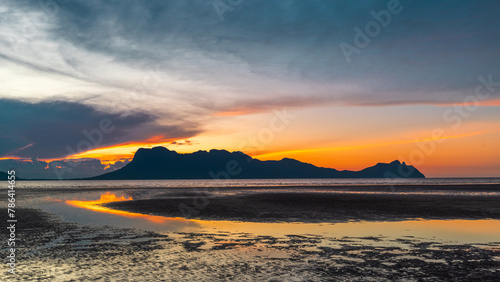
5 176
161 163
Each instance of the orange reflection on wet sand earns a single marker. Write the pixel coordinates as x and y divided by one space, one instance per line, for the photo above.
456 230
108 197
482 226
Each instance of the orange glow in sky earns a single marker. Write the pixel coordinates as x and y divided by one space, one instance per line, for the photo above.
112 154
346 139
372 145
354 155
201 85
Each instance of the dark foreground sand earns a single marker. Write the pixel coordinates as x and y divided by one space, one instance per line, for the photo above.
331 204
53 250
50 249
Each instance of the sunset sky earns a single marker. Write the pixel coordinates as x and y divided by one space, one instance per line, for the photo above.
100 79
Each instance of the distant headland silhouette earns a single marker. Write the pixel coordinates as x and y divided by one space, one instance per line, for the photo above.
162 163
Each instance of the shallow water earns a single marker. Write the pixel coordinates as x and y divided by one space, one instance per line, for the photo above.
444 231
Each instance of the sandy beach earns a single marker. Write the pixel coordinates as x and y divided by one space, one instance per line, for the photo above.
247 237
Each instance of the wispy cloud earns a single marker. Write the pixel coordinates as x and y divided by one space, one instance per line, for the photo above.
428 54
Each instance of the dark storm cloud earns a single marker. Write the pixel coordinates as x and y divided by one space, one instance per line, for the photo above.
54 129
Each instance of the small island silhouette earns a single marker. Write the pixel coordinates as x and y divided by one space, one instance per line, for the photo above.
162 163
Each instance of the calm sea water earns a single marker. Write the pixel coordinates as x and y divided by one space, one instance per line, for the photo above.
200 183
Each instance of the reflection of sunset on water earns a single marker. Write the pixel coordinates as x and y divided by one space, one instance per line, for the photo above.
109 198
457 230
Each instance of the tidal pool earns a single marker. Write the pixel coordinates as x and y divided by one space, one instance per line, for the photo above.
90 211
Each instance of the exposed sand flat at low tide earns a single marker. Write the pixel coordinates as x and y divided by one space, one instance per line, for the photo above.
53 250
260 234
328 204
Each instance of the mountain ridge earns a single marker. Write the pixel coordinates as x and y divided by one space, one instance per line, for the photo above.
162 163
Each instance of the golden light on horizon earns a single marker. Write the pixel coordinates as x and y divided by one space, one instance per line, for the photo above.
342 156
350 153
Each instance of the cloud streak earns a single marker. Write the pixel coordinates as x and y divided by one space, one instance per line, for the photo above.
430 53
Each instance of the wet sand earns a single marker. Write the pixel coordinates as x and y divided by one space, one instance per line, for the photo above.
325 204
54 250
51 249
